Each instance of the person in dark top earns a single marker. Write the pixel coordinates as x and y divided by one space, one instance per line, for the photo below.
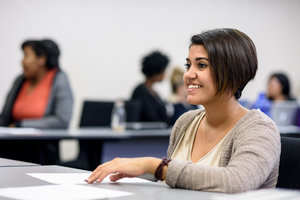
153 107
279 88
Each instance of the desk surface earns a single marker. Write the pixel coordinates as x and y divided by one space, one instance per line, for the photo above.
82 133
103 133
16 177
13 163
292 131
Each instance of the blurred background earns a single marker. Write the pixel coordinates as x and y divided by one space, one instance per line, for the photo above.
103 41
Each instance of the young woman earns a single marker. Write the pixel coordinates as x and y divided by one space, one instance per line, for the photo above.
224 147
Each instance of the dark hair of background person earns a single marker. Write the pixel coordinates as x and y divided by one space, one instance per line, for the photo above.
47 48
154 63
232 58
284 82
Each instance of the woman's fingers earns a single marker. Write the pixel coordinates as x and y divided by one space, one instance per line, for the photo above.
123 167
101 172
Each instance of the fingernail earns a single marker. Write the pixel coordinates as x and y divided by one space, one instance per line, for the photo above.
86 180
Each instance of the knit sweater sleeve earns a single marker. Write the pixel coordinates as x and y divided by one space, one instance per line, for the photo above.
252 151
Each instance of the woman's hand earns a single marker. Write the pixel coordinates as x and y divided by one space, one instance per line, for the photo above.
124 167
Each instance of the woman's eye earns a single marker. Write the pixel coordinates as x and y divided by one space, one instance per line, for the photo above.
187 66
202 65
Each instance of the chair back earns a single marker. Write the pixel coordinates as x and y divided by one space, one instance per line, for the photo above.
133 110
289 167
98 113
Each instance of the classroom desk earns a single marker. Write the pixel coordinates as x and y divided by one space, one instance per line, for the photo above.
103 143
289 131
13 163
86 133
16 177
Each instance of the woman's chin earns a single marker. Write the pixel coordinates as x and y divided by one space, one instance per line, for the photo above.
193 101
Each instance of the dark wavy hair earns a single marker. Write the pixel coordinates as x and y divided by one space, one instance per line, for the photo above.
232 58
47 48
154 63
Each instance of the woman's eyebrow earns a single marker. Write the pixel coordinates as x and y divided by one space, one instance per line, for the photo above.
201 58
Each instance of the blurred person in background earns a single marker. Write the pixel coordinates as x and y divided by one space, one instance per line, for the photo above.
178 97
153 107
41 97
279 88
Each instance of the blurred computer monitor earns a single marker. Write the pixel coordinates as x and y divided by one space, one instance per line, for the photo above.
284 113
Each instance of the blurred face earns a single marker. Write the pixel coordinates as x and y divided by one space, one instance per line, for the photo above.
274 88
198 78
31 63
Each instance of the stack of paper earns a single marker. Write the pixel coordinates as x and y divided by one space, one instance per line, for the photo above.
66 187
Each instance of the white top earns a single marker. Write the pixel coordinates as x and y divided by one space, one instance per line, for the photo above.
184 149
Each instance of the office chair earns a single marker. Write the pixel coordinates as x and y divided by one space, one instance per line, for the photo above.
289 167
98 114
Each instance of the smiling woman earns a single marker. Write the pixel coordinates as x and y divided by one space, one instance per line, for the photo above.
223 147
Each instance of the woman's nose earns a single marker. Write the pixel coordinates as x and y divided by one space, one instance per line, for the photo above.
191 73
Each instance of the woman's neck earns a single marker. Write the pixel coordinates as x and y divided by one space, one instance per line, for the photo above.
280 97
39 77
224 112
149 85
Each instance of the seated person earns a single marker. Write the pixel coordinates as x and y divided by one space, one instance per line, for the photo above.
153 107
179 95
223 147
41 96
279 88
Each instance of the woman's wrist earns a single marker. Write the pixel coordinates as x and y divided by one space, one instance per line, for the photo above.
161 170
156 166
152 164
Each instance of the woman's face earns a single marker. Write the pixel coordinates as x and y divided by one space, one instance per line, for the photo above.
31 63
274 88
198 78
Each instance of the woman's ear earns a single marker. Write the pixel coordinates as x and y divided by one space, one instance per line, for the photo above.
42 60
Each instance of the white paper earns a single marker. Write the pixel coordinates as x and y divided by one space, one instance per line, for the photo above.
66 192
263 194
19 131
78 178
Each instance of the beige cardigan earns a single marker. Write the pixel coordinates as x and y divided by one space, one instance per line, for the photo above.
249 159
